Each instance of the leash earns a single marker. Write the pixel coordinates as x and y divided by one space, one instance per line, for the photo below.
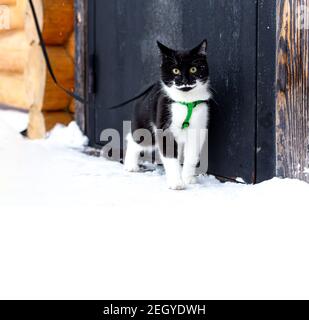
54 78
133 99
47 60
75 96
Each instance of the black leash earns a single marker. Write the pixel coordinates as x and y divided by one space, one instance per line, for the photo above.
133 99
52 74
47 60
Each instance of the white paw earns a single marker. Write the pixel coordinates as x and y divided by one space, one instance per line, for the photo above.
130 167
176 185
190 180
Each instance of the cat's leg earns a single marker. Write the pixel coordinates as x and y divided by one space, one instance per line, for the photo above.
192 150
180 152
132 155
173 173
169 155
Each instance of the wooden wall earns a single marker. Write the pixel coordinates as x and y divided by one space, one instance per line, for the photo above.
292 89
81 29
58 33
24 83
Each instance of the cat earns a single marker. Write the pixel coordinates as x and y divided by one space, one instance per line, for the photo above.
165 113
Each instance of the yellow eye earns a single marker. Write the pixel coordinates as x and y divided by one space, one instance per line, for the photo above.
193 70
176 71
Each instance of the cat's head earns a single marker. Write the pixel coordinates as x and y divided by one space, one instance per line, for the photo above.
184 70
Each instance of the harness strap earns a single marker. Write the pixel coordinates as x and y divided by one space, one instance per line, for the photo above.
47 60
190 106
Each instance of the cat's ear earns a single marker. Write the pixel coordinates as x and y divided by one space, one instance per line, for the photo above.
201 49
165 51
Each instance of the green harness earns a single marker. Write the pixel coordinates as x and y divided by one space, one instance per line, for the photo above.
190 106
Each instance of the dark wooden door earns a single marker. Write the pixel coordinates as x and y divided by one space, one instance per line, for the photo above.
123 36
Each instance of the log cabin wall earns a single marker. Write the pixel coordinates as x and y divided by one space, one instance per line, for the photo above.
292 90
22 68
58 33
24 83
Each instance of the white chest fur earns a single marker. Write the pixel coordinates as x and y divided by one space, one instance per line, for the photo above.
199 117
198 120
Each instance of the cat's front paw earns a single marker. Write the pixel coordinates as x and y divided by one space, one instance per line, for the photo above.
176 185
190 180
130 167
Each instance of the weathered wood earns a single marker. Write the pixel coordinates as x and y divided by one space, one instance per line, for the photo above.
81 9
292 109
265 162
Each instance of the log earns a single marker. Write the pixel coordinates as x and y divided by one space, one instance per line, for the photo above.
292 89
70 46
72 106
21 18
55 98
36 127
15 51
29 22
58 22
23 90
53 118
18 14
8 2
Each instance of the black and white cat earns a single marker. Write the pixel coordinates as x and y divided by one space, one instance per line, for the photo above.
175 112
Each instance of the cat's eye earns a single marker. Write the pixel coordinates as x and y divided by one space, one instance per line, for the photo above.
176 71
193 70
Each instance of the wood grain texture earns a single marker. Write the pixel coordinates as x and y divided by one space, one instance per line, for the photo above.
292 115
58 21
56 99
80 59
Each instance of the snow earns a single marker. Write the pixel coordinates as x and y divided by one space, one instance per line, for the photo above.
17 119
74 226
69 136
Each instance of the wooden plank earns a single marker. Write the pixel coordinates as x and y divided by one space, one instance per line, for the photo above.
266 93
292 89
80 60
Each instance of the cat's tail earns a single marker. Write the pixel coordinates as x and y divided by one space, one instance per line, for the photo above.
134 98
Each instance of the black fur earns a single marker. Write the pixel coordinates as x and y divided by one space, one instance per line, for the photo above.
183 61
153 109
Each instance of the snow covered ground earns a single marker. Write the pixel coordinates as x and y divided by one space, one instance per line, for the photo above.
74 226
